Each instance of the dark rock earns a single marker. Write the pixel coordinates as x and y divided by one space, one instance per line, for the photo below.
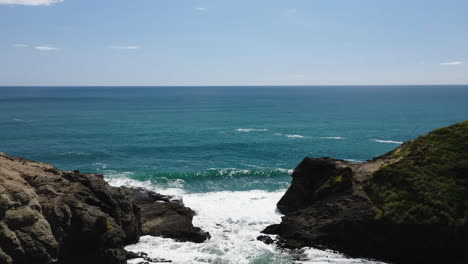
49 216
163 216
309 179
147 259
408 206
53 216
133 255
266 239
142 195
271 229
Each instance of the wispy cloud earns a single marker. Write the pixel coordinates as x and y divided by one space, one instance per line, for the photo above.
451 63
201 8
125 47
20 45
46 48
30 2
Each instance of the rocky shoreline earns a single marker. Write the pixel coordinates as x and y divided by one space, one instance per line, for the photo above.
408 206
53 216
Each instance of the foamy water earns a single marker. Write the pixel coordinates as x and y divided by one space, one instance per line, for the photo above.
295 136
234 220
251 130
215 146
387 141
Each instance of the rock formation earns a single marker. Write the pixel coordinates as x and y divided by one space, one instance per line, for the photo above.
408 206
53 216
164 216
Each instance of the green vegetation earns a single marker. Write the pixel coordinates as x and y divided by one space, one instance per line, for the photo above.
341 180
429 182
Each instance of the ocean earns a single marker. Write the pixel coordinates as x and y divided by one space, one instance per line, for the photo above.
227 151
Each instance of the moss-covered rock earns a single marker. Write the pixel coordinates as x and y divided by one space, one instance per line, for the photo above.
428 183
338 182
407 206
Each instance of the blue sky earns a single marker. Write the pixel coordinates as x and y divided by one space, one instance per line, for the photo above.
241 42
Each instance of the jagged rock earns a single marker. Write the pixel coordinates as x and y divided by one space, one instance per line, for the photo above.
163 216
49 216
53 216
266 239
147 259
271 229
408 206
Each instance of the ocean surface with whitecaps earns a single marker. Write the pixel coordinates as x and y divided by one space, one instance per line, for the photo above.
227 151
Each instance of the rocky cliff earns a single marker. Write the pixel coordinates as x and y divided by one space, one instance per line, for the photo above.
408 206
53 216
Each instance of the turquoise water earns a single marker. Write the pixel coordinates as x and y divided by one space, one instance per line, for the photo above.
217 138
227 151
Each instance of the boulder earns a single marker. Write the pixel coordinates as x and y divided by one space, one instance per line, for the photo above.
167 217
53 216
407 206
49 216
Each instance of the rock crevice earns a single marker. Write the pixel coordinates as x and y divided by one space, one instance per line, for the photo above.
53 216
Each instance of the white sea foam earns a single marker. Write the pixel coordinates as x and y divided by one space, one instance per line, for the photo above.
289 171
248 172
120 179
387 141
251 129
295 136
337 138
234 220
229 171
120 175
353 160
18 120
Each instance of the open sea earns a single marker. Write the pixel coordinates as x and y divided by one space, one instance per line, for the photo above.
227 151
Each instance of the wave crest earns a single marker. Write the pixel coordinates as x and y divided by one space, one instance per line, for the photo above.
251 129
337 138
224 173
387 141
295 136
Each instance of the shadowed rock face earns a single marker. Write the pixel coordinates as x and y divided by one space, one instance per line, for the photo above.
163 216
48 215
53 216
322 207
408 206
310 179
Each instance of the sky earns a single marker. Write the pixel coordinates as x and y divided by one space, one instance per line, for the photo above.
233 42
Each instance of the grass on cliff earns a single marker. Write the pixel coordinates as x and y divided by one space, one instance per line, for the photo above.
429 183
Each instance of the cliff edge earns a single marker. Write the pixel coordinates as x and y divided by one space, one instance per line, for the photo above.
407 206
53 216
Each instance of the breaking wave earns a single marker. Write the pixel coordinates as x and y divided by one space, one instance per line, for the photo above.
337 138
295 136
251 129
234 220
387 141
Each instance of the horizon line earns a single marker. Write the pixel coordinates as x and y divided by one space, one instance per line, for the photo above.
285 85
